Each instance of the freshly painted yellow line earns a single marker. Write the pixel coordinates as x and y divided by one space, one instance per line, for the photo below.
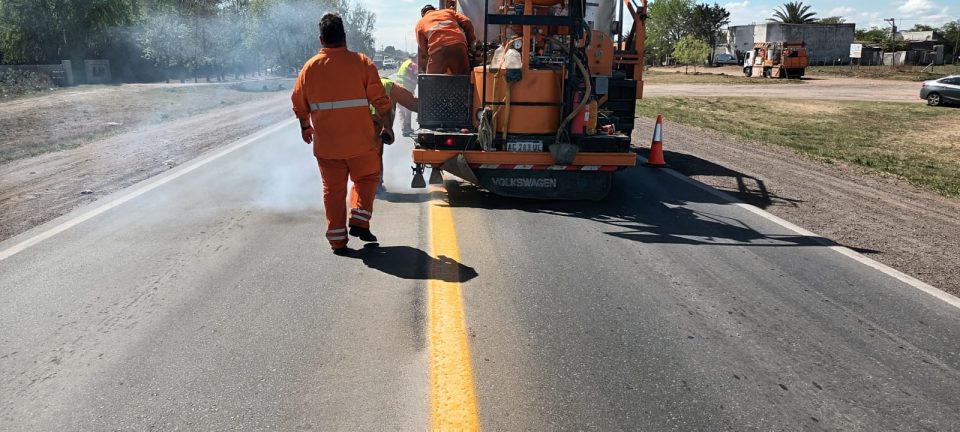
453 402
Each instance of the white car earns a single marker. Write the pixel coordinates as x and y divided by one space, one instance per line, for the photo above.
389 63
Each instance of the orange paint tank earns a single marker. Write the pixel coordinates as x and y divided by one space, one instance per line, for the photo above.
535 86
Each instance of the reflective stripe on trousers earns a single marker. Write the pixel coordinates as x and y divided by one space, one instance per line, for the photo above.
350 103
360 214
337 234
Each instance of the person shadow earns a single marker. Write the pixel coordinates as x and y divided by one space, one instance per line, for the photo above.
407 262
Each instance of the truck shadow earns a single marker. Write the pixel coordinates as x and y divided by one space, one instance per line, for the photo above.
649 206
749 189
410 263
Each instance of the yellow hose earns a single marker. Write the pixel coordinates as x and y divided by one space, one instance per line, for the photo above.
506 121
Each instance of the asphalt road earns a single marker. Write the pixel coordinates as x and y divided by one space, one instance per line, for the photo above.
207 299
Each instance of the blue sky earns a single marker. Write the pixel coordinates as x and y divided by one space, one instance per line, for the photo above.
396 18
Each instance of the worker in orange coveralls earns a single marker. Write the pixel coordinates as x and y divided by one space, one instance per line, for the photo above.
443 37
397 95
331 99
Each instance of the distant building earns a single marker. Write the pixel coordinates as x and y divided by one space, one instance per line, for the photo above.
924 47
826 43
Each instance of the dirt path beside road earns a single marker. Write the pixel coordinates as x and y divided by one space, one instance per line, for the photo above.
38 189
886 218
821 88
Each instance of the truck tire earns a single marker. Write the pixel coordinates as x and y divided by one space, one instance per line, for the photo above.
748 72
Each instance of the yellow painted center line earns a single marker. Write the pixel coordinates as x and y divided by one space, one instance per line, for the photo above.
453 401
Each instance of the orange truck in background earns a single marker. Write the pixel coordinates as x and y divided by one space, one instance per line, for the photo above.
777 60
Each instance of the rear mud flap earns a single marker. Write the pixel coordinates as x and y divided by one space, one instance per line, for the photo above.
557 185
459 167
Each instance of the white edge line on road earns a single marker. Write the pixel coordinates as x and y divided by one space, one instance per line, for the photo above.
136 191
843 250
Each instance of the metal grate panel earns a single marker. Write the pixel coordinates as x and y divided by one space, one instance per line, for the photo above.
445 101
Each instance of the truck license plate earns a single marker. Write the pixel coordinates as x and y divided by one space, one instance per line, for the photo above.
525 146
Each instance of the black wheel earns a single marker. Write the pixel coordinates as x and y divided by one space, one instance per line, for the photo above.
767 73
934 99
747 71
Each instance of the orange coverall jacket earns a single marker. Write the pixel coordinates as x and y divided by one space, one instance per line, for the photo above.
444 27
335 89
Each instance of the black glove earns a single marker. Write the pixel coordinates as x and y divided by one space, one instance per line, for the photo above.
386 135
307 135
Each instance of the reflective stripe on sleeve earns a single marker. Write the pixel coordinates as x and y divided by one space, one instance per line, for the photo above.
350 103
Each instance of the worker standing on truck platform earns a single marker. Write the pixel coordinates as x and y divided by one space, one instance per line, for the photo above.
443 37
397 95
407 78
331 99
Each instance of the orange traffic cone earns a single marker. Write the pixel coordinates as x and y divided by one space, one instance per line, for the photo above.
656 147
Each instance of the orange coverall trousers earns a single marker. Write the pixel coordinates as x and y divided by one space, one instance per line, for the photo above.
453 59
364 172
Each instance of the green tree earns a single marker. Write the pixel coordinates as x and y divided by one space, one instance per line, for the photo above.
360 23
832 20
668 22
47 31
793 13
705 22
922 27
874 35
951 32
690 51
162 39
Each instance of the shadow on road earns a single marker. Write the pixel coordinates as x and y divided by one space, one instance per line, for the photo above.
749 189
650 207
406 262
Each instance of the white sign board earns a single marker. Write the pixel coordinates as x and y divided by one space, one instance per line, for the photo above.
856 50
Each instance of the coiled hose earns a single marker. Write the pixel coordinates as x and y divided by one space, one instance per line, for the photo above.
588 92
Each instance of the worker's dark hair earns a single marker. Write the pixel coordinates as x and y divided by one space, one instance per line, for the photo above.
331 29
425 9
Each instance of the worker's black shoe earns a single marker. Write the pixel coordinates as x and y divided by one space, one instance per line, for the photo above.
344 251
363 234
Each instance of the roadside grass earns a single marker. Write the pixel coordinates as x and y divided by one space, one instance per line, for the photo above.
99 112
918 143
660 77
902 73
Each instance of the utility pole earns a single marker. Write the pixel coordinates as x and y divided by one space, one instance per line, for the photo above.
893 41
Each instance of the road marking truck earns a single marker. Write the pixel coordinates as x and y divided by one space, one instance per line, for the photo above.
549 106
777 60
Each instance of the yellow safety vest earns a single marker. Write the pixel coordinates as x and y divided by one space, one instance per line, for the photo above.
388 86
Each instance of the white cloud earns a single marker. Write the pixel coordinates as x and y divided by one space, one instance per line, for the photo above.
737 5
865 20
916 7
842 11
745 12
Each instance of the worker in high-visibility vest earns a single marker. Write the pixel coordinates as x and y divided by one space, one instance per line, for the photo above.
407 78
331 99
397 95
443 38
